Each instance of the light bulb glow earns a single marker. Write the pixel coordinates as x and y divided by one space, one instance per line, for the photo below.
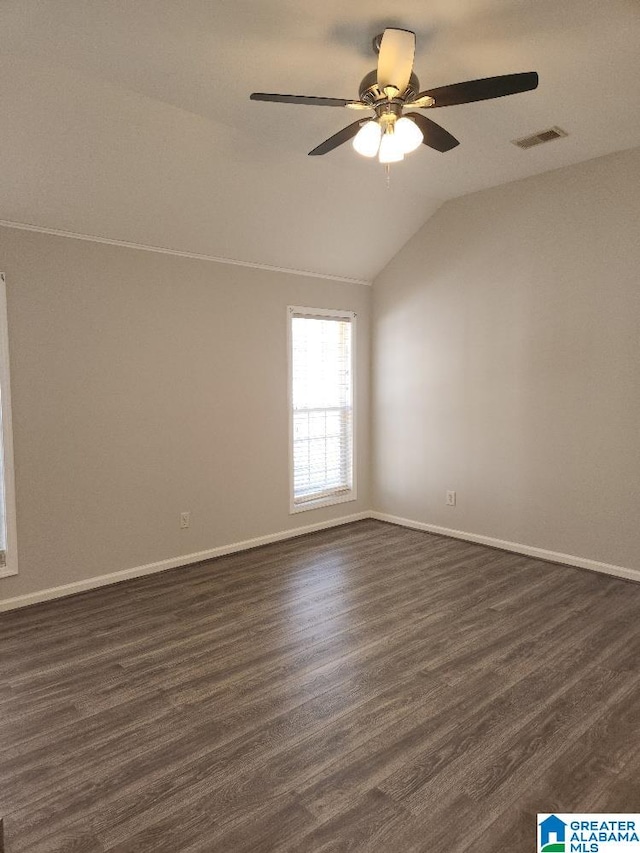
367 139
408 135
390 150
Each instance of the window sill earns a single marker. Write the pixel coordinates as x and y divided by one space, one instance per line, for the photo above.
7 572
320 502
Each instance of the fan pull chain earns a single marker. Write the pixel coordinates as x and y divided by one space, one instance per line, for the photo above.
387 168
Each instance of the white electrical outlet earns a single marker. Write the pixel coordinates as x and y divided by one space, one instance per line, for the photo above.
185 520
451 498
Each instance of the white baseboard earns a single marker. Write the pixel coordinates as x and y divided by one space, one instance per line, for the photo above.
527 550
174 562
187 559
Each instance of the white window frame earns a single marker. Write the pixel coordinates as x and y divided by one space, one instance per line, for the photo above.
351 494
11 567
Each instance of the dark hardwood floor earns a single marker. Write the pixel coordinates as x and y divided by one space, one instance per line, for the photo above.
366 688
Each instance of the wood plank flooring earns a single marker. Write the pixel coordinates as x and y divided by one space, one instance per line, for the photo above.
365 688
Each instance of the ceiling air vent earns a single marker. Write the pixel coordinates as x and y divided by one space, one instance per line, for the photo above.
540 137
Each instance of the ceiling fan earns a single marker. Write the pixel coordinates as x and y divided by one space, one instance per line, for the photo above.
393 88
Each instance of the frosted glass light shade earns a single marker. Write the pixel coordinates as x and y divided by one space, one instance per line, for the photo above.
408 135
367 139
390 150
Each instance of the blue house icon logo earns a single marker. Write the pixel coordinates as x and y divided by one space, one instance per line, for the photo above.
552 832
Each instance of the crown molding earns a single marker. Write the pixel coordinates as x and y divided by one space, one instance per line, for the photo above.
73 235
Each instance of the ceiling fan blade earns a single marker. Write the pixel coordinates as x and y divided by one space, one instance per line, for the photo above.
395 60
338 138
481 90
434 135
302 99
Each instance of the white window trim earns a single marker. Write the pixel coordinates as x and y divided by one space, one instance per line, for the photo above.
11 567
352 494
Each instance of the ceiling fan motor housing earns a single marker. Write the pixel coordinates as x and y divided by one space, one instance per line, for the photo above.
370 93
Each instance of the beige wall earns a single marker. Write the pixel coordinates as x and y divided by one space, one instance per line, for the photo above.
506 365
506 340
144 385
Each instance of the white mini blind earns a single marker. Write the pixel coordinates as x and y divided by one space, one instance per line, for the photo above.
321 406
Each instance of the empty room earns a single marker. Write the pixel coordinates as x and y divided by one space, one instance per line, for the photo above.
319 434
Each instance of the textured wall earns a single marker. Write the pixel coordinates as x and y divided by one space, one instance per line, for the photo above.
144 385
506 341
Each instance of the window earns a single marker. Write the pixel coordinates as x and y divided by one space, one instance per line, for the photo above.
321 347
8 553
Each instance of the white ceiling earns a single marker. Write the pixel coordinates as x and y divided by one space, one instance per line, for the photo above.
132 121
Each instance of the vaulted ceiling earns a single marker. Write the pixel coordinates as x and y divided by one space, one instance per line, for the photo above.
132 121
